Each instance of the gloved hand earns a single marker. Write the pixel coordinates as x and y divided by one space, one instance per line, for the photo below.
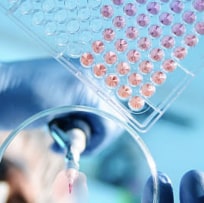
191 188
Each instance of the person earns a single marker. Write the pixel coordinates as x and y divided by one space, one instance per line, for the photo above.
28 87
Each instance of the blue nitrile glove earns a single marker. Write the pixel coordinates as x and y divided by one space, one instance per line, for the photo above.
28 87
191 188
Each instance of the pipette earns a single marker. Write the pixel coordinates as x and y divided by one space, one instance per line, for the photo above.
77 144
73 142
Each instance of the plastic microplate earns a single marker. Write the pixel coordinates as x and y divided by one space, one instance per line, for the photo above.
138 55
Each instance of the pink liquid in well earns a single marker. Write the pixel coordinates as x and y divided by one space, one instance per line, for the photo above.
108 34
123 68
121 45
169 65
136 103
98 46
124 91
147 90
191 40
199 27
119 22
110 57
168 42
189 17
144 43
145 67
112 81
131 32
153 7
130 9
180 52
155 31
158 77
178 29
143 20
107 11
99 70
133 56
166 18
176 6
87 59
199 5
118 2
135 79
157 54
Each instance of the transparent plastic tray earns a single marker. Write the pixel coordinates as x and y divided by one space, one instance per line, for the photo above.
137 55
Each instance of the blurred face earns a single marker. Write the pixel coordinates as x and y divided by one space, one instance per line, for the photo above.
15 187
40 176
24 169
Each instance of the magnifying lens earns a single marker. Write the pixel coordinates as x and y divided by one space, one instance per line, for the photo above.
115 173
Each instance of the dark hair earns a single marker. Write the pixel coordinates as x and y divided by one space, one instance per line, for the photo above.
5 165
17 198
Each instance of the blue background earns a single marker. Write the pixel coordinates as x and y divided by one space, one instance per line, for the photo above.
176 141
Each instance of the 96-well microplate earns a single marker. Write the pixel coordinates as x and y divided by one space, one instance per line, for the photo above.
138 55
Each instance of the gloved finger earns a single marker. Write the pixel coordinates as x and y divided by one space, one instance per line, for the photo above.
192 187
165 190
